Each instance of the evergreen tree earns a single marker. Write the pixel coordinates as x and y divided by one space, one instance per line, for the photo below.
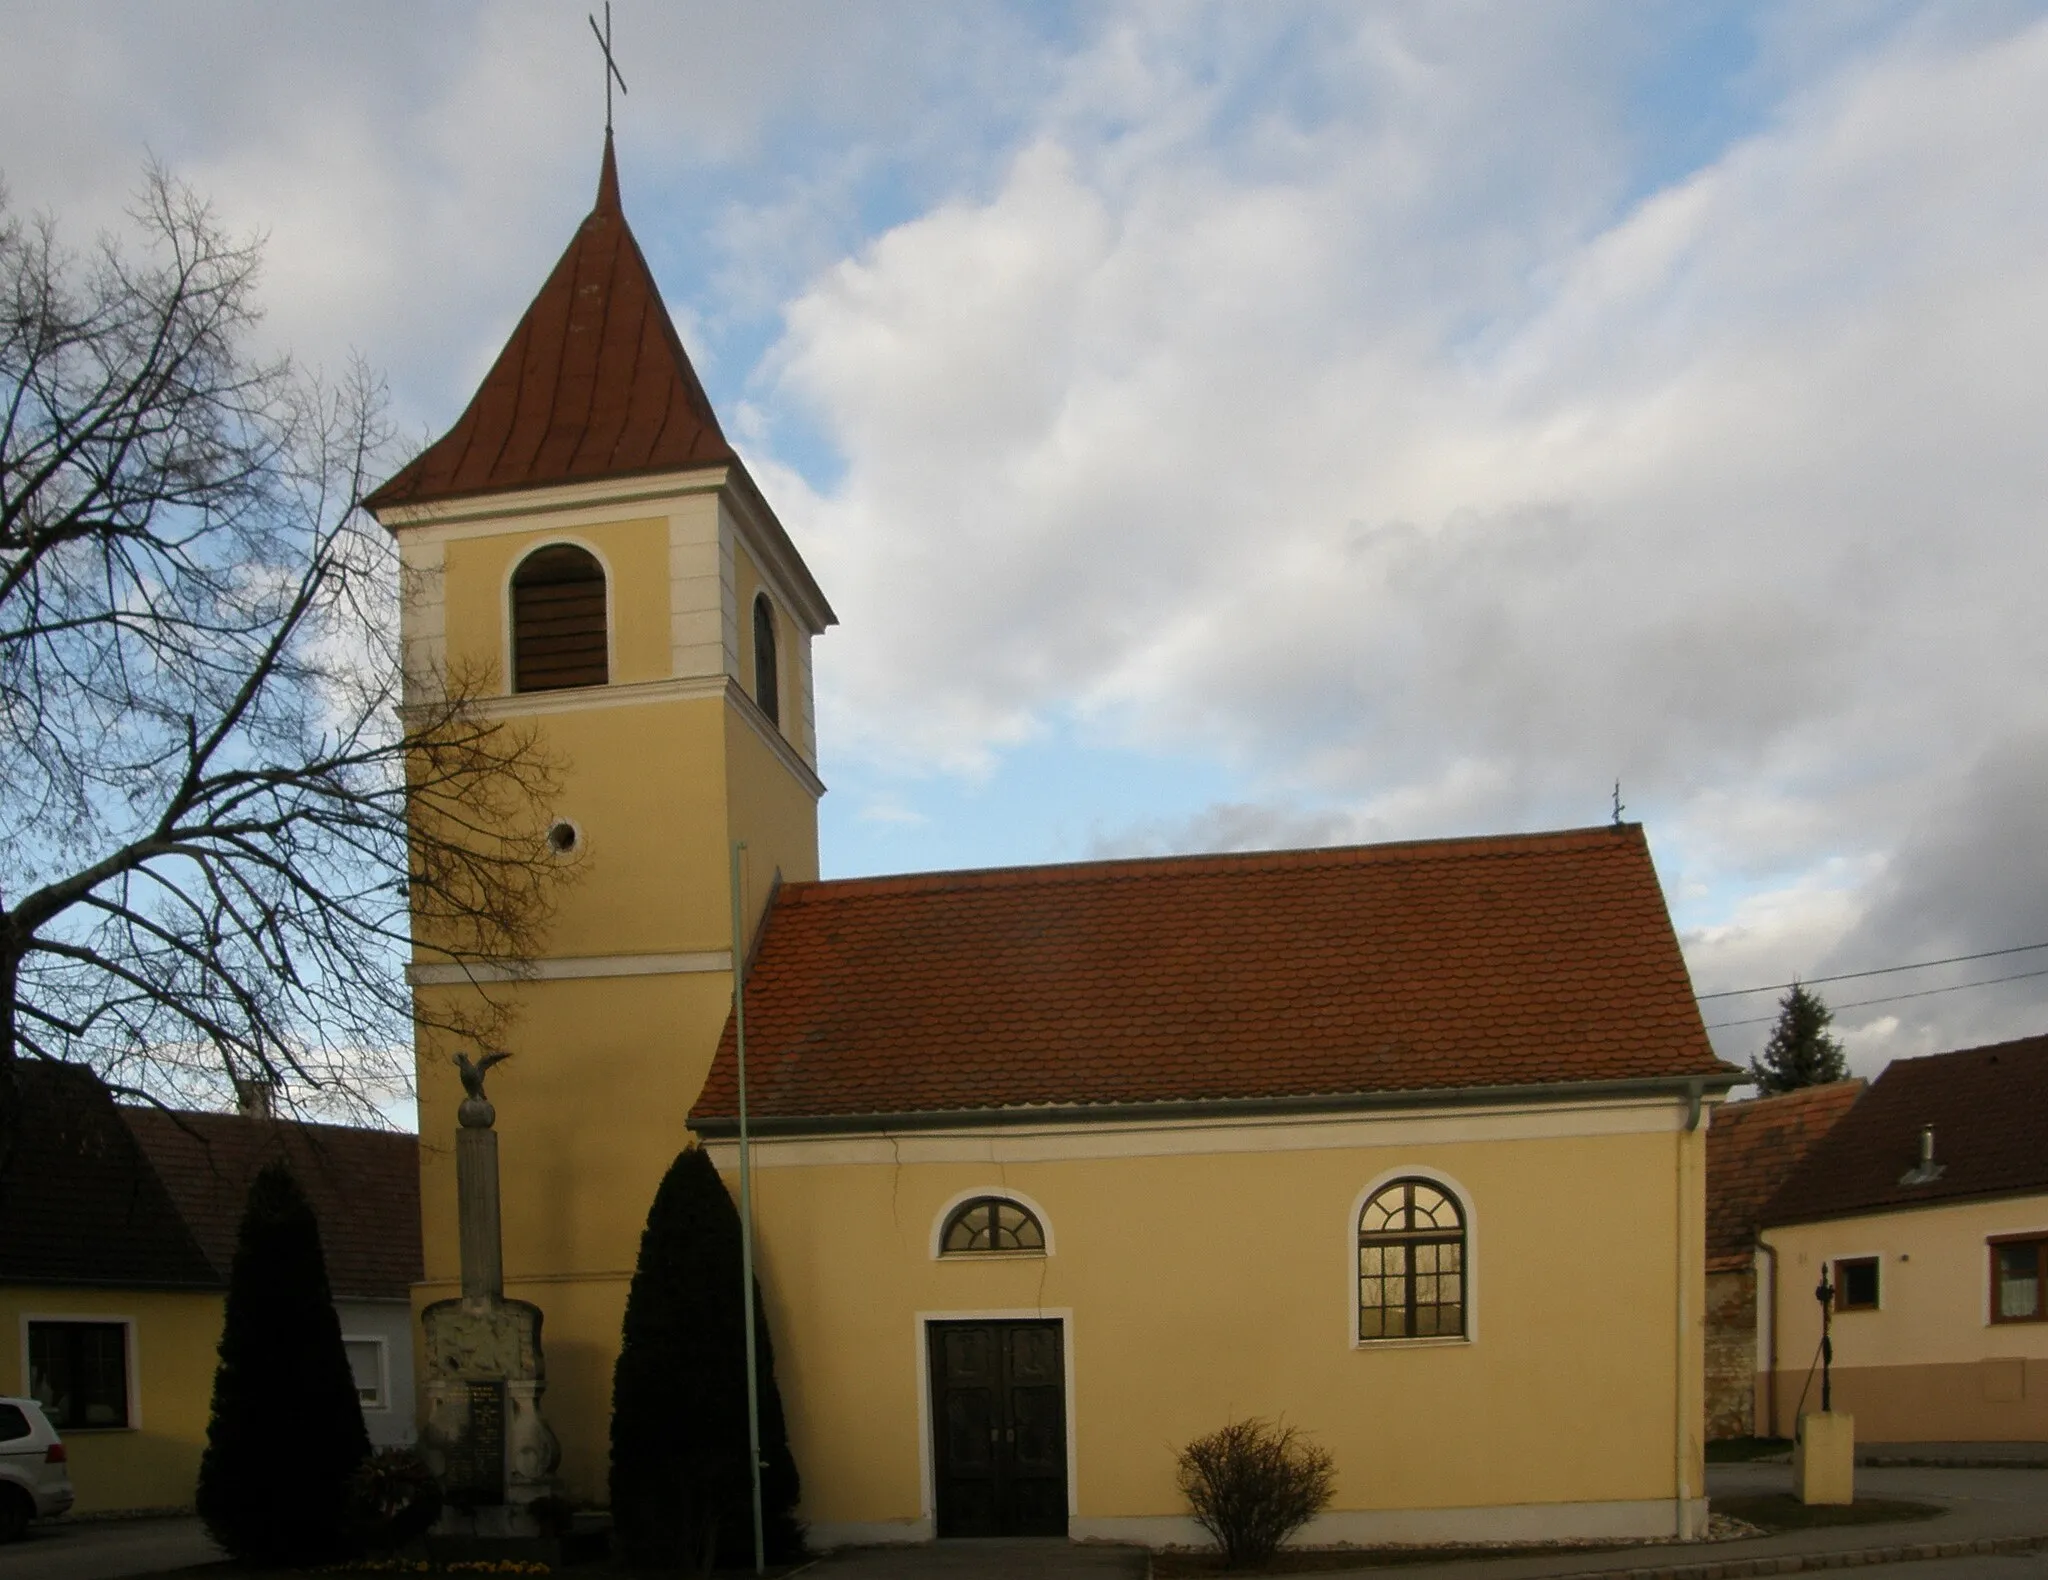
287 1429
1800 1052
681 1491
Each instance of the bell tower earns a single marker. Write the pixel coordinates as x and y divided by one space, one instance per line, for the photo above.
587 551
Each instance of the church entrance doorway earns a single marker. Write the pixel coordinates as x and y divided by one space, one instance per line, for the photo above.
999 1428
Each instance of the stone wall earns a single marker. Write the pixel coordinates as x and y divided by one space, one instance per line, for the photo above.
1731 1354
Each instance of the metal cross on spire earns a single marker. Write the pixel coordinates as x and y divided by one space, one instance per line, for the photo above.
611 66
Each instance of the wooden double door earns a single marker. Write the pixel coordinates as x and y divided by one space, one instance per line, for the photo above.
999 1428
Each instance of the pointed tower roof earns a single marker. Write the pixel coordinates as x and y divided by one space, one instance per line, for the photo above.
593 383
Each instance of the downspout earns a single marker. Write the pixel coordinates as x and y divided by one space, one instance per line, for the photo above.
1771 1375
1681 1481
739 1030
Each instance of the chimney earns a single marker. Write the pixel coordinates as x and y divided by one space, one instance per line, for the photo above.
1926 1171
255 1097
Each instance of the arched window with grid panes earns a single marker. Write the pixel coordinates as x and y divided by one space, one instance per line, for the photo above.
1411 1263
992 1226
559 636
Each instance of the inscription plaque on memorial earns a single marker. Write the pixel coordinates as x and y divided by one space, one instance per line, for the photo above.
476 1460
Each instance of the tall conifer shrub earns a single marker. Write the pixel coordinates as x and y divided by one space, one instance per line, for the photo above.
681 1492
287 1429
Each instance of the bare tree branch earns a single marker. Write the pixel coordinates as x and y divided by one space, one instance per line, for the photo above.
222 831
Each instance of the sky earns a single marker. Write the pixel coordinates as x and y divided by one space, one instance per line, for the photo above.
1237 426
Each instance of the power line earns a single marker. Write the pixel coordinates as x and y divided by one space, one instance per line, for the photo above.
1892 998
1877 971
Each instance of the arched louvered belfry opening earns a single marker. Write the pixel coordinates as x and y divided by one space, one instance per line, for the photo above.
558 620
767 689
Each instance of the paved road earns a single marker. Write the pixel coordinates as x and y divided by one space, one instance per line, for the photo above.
106 1549
1979 1503
990 1560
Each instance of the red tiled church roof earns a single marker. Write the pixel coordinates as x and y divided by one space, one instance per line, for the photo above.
1986 1106
1509 961
364 1186
593 383
1753 1149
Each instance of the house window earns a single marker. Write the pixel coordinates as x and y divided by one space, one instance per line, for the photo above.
2019 1280
1411 1263
767 691
1856 1284
558 620
78 1373
366 1362
992 1225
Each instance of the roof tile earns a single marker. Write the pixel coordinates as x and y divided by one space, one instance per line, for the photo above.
364 1186
1752 1149
1987 1106
1504 961
593 383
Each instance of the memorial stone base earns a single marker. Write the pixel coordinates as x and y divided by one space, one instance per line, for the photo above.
484 1435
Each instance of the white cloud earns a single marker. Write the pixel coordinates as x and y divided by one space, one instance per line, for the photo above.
1310 389
1444 513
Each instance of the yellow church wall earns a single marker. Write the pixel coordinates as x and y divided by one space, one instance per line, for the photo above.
1928 1364
772 812
173 1337
1236 1270
477 591
614 1028
591 1111
650 872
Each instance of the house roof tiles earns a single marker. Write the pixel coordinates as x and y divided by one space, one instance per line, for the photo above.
1508 961
593 383
1986 1106
80 1203
364 1186
1752 1150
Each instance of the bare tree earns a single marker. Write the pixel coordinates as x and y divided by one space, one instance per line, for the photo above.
221 828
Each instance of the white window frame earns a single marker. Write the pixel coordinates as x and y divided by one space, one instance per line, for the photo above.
130 1358
1000 1193
1463 1197
383 1399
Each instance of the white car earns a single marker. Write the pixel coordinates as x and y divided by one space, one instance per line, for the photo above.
35 1480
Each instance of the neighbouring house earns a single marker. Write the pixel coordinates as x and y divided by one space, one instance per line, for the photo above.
1057 1167
364 1187
120 1233
1752 1150
1926 1208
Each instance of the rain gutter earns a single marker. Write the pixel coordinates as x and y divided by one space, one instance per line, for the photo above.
1689 1087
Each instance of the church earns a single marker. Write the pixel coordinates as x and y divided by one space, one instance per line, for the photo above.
1055 1168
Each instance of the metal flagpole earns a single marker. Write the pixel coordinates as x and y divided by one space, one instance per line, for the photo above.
739 1022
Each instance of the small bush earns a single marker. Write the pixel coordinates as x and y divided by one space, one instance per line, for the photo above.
396 1499
1254 1484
